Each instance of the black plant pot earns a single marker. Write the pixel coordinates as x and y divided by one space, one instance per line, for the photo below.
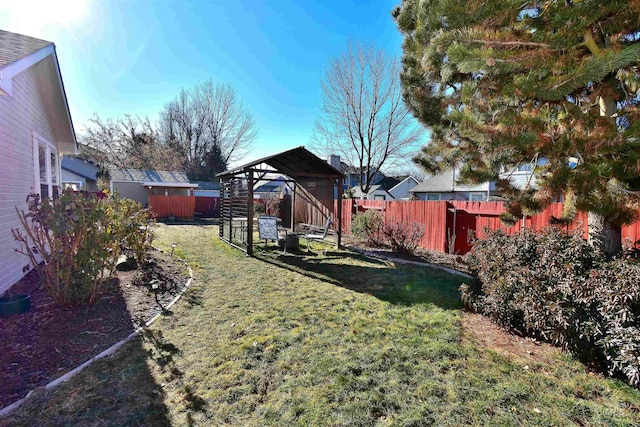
14 304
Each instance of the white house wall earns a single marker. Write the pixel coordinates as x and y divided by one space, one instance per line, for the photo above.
20 115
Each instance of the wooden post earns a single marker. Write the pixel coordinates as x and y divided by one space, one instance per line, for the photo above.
293 208
339 221
250 216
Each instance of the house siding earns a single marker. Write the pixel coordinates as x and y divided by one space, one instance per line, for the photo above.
521 179
68 176
401 191
458 195
372 195
20 115
132 190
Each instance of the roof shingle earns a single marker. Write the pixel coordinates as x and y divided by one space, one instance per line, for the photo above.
142 175
16 46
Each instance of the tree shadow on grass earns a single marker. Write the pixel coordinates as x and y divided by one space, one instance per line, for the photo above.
116 390
397 284
120 389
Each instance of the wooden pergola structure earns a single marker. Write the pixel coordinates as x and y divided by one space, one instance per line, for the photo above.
312 181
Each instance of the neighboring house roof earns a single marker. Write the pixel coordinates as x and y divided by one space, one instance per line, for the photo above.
445 182
19 53
403 179
17 46
80 167
441 183
270 187
358 193
388 182
408 178
145 176
207 185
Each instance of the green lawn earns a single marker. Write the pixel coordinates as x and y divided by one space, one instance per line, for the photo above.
320 340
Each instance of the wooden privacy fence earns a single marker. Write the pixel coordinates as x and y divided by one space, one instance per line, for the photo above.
178 206
452 221
207 207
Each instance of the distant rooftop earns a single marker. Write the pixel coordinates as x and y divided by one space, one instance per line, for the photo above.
441 183
144 175
80 167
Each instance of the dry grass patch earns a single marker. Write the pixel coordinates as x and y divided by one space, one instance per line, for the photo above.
325 340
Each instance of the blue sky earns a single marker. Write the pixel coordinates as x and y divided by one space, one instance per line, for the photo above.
131 57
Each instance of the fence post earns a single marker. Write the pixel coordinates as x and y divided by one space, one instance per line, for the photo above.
339 240
250 216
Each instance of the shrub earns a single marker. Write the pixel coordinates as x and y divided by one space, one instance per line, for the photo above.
273 206
134 227
402 239
617 288
79 239
554 286
258 207
366 226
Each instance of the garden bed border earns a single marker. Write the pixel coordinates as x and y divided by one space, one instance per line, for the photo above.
109 351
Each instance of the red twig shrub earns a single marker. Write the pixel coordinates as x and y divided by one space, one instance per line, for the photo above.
403 239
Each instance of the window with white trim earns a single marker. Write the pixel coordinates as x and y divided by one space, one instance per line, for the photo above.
477 197
73 185
433 196
47 167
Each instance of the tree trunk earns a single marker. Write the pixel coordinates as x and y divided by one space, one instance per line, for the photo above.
604 236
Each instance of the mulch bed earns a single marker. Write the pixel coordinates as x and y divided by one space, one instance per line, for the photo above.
453 261
47 341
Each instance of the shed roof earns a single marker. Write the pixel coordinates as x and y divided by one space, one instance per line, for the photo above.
16 46
295 163
145 175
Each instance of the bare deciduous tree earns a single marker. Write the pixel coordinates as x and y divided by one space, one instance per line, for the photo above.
363 117
205 117
128 142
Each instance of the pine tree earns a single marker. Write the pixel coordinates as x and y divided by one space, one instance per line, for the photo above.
503 83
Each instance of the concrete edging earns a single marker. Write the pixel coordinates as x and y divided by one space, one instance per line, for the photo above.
109 351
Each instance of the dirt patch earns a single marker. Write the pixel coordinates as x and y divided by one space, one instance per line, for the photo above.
47 341
455 262
484 333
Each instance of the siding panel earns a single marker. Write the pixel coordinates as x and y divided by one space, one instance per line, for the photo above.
20 115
